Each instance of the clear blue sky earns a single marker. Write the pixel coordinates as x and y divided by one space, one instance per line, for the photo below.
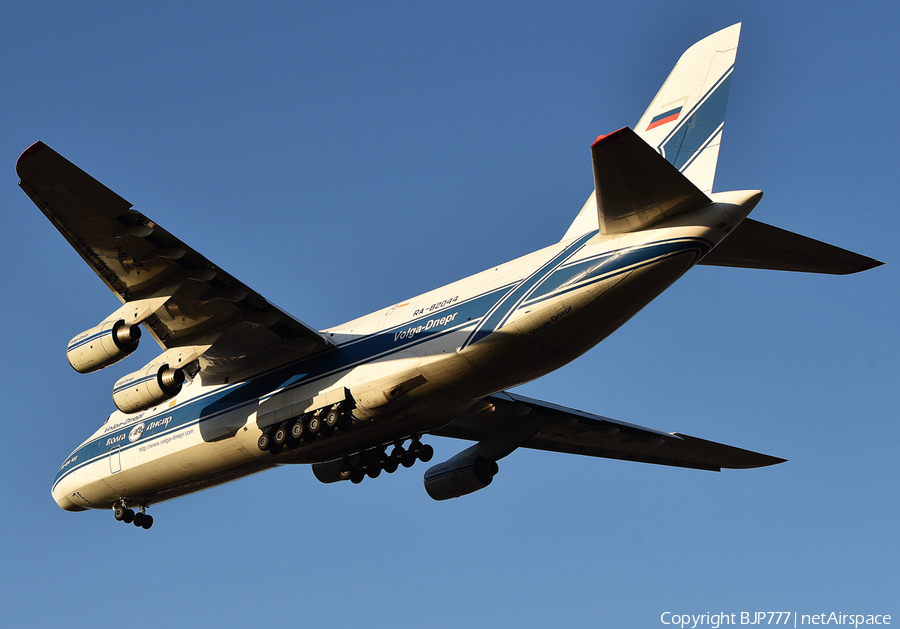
341 157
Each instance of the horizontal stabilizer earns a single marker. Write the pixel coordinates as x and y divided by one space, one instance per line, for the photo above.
635 186
756 245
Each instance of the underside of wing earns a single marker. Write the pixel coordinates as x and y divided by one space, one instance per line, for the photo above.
560 429
757 245
139 260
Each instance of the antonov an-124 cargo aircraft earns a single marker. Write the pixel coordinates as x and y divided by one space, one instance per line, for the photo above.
242 386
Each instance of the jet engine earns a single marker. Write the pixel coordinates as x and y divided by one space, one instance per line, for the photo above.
460 475
102 345
147 387
331 471
114 338
159 380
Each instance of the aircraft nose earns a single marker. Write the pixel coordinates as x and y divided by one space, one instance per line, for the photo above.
65 503
61 491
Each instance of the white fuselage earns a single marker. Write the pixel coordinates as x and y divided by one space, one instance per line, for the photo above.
410 368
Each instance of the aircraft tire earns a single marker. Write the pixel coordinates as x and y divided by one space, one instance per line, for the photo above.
333 418
297 430
280 435
264 442
390 466
138 519
148 522
129 516
314 424
426 453
119 512
346 421
408 460
373 472
357 476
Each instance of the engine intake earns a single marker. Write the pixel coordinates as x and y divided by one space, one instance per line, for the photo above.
148 387
102 345
461 475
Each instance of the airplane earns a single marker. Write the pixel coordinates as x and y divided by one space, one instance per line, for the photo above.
241 386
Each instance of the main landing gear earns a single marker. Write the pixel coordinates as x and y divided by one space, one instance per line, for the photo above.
141 519
371 462
306 428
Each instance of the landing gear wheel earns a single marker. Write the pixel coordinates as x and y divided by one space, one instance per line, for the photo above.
357 476
391 466
148 521
280 435
333 418
139 519
397 453
326 431
297 430
408 459
426 453
373 472
129 516
345 422
119 512
264 442
314 424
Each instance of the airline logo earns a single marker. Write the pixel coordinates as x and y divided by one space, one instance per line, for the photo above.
136 432
667 116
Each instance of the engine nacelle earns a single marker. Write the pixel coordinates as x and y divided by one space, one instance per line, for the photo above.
459 476
330 471
148 387
102 345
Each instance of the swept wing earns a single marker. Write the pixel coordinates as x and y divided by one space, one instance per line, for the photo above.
559 429
137 259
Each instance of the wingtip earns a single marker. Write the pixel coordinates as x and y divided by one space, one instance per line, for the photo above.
871 264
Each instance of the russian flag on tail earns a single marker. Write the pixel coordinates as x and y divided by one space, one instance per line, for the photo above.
663 118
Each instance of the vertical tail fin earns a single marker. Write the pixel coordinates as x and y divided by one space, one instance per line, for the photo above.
684 122
685 119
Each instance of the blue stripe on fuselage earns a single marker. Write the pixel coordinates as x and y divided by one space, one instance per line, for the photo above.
490 309
503 309
589 270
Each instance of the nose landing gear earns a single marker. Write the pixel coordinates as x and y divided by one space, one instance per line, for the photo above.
141 519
